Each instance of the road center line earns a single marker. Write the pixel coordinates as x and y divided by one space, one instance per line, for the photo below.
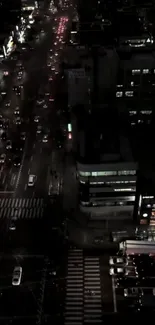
114 295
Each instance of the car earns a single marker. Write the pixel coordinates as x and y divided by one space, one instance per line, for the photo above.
39 129
116 271
19 77
2 158
23 136
15 88
31 180
19 64
17 161
51 99
8 144
8 103
17 111
17 275
3 93
18 146
40 101
116 260
18 121
45 138
3 136
5 124
18 93
36 119
133 292
12 226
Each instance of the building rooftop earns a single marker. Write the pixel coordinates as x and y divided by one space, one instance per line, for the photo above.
128 24
104 139
144 60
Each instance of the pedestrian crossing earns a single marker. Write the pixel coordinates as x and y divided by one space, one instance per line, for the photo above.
92 291
25 208
83 304
74 288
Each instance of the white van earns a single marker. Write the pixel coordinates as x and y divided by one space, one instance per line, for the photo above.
17 274
31 180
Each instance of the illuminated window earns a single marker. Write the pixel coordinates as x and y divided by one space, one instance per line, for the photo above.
135 71
119 93
119 86
124 189
127 172
129 93
106 173
132 112
145 71
146 112
86 174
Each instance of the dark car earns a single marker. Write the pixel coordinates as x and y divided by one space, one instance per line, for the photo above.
15 88
18 93
6 125
17 161
18 146
4 136
1 123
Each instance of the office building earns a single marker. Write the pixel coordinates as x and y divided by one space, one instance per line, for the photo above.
106 169
135 87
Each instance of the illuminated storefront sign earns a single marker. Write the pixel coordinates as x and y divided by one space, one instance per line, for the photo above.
10 47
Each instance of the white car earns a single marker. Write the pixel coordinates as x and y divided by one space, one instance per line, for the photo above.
39 129
133 292
116 271
40 101
116 260
2 158
45 138
18 121
17 274
8 144
17 111
31 180
36 119
12 226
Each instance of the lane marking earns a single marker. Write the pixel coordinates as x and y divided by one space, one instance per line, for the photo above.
31 158
13 179
4 179
114 295
20 169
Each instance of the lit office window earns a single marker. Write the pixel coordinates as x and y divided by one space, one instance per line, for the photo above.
127 172
149 112
86 174
135 71
145 71
132 112
124 189
119 93
129 93
119 86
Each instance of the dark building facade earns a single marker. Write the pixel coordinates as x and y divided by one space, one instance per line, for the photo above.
9 14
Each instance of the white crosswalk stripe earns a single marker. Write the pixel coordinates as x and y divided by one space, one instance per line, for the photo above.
29 208
92 291
74 288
